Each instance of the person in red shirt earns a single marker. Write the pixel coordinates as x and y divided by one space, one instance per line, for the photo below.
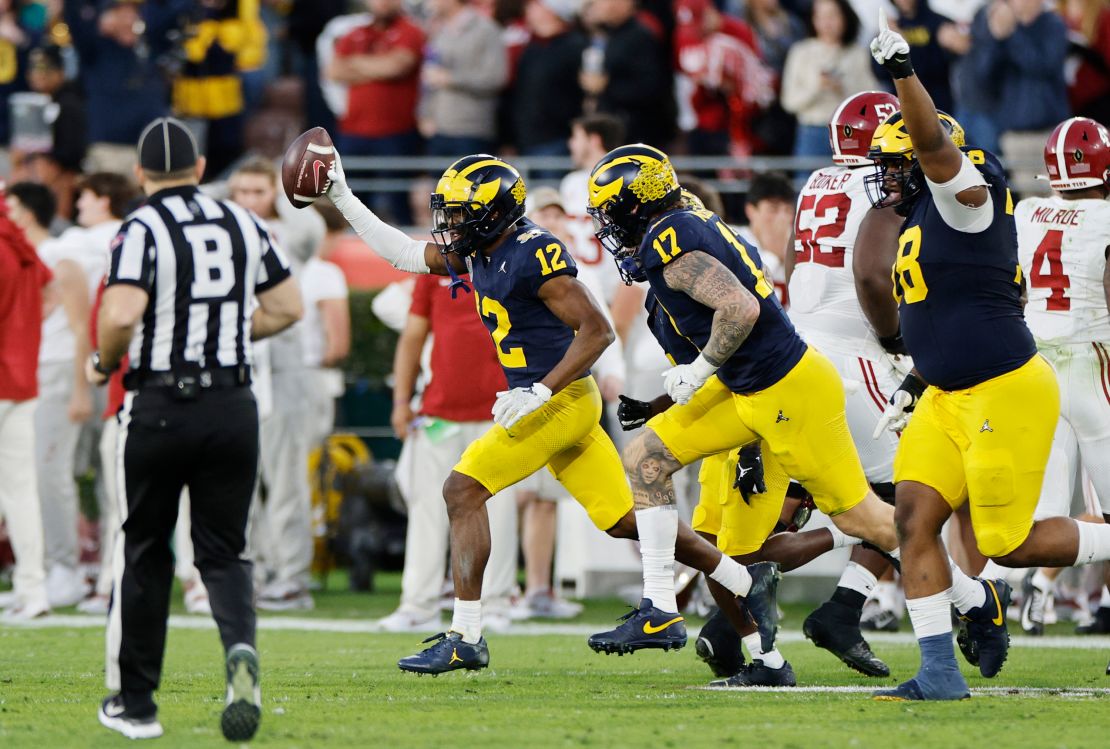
380 65
22 279
462 382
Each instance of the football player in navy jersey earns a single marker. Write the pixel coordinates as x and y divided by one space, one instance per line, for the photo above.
984 403
754 378
548 331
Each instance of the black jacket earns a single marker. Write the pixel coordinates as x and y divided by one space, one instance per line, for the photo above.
640 87
547 94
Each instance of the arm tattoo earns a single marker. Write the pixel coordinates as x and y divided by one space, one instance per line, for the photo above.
650 465
705 280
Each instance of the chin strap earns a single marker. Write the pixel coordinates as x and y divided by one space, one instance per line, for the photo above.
456 282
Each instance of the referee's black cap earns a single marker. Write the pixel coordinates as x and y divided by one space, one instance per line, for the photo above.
167 145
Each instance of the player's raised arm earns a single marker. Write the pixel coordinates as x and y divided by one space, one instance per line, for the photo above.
704 279
572 303
942 162
389 243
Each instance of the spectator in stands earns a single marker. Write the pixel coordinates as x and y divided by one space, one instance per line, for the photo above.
719 55
305 21
1023 54
327 324
208 90
465 69
380 64
634 81
1089 85
16 40
976 95
58 168
776 29
821 71
121 46
448 419
547 96
922 28
23 277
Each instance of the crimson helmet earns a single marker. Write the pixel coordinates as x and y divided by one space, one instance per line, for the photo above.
853 124
1077 155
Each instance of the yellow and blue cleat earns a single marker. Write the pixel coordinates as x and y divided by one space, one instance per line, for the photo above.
643 627
449 653
983 636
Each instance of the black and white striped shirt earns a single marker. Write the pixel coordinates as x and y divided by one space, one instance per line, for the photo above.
201 261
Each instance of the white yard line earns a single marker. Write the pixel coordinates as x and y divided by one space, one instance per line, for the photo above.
369 626
992 691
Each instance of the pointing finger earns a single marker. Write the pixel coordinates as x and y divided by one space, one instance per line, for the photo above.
883 24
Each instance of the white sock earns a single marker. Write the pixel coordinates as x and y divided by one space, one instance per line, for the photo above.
732 575
992 570
658 531
771 659
467 620
857 578
842 539
1041 581
931 615
1094 543
886 592
967 593
1104 601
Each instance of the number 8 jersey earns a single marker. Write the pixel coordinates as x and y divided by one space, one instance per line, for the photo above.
959 293
823 301
1062 245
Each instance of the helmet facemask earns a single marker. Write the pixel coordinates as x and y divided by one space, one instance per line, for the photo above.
896 181
620 233
460 226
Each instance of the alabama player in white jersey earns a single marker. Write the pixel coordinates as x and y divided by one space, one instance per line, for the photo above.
826 311
1063 242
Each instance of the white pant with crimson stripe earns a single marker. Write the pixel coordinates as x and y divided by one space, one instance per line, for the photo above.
1083 370
868 386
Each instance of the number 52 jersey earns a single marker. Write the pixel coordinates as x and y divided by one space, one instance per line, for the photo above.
1062 245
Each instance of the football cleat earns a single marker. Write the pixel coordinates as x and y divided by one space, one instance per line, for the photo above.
643 627
834 627
449 653
1100 625
951 686
983 637
762 601
114 714
1033 602
755 674
243 711
879 620
718 645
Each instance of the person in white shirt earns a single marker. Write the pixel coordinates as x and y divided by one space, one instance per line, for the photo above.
79 259
1063 241
769 209
281 530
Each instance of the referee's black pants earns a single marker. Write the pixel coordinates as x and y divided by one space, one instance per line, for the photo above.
210 445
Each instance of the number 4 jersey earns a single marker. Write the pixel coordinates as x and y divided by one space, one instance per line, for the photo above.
823 301
1062 245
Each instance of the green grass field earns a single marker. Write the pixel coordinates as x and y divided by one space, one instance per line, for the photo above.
343 689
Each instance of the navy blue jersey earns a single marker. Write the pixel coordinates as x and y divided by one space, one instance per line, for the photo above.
773 347
959 294
679 350
529 338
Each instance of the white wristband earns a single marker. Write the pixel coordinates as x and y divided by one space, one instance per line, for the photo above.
703 368
391 244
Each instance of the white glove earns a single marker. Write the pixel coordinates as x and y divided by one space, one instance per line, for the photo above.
513 405
338 188
682 381
896 415
890 49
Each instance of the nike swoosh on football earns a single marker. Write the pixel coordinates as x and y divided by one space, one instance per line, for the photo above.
649 629
316 172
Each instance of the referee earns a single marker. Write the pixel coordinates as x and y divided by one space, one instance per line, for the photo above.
186 273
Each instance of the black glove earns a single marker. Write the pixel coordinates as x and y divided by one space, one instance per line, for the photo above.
893 344
632 414
749 473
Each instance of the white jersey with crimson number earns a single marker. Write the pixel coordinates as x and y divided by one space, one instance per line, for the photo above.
1062 248
824 306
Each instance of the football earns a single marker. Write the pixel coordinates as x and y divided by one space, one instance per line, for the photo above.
304 170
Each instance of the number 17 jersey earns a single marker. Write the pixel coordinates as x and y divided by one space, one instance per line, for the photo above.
1062 245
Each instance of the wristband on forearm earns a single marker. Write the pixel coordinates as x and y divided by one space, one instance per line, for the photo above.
899 66
915 386
894 344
